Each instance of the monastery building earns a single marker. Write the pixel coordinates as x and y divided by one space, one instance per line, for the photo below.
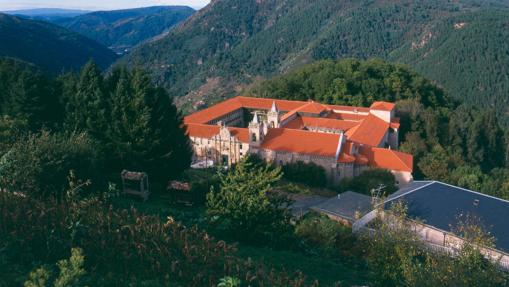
343 140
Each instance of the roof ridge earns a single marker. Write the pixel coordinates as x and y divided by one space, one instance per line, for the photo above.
397 153
408 192
305 131
430 182
472 191
269 99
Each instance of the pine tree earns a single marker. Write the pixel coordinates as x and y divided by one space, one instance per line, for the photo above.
145 130
88 107
246 205
27 94
486 142
120 130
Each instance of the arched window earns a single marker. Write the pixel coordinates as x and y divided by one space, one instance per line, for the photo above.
253 137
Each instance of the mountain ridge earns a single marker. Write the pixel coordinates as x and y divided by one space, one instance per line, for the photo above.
48 46
46 14
123 29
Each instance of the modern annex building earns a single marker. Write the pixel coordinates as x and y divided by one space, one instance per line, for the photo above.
343 140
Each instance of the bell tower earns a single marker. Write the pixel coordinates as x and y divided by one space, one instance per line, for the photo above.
256 134
273 116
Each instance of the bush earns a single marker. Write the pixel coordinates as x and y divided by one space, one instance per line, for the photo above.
307 173
201 182
121 247
38 165
369 180
329 236
246 206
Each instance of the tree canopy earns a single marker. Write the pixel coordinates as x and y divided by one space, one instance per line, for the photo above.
247 205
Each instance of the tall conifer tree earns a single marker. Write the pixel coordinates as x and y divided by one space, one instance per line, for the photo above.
145 131
87 109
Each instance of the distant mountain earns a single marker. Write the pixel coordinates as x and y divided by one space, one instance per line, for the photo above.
48 46
46 14
122 29
232 43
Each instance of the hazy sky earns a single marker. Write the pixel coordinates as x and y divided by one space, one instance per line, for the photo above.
95 4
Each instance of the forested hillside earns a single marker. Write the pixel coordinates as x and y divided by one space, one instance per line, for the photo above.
468 55
48 46
123 29
232 43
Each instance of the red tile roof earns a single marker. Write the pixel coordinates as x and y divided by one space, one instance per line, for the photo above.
348 108
388 159
302 122
266 104
202 131
347 117
312 108
345 158
289 114
241 134
209 131
230 105
370 132
295 124
361 159
383 106
304 142
213 112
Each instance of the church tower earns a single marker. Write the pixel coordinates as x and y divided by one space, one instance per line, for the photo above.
273 116
256 133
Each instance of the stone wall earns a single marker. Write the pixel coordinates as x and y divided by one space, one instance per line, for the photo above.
334 171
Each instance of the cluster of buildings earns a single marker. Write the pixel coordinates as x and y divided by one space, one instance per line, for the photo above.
344 140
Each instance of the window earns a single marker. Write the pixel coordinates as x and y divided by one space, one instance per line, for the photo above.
240 146
253 137
225 159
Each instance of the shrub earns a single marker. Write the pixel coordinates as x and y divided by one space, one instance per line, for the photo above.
246 205
369 180
121 247
38 165
71 272
307 173
328 235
